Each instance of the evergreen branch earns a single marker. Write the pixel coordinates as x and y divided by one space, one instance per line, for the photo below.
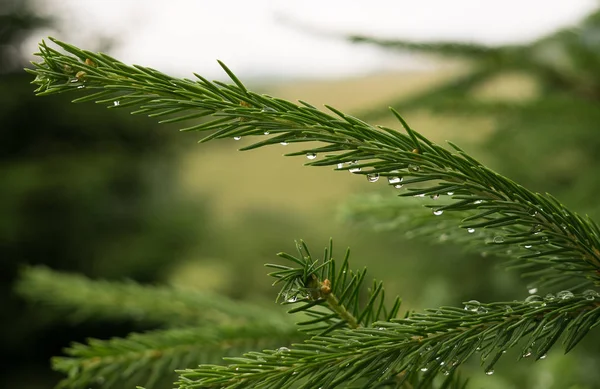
494 201
316 285
494 55
149 357
422 344
410 217
81 298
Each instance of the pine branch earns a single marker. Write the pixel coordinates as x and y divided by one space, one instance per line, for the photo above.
315 284
153 356
416 348
408 216
563 240
80 299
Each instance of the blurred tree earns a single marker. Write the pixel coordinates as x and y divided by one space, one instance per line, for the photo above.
99 200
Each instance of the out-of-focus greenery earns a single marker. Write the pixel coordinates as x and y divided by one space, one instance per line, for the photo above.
106 199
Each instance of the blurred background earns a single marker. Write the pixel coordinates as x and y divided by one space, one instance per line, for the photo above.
114 196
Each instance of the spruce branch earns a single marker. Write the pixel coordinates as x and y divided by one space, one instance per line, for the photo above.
152 356
563 240
405 215
80 298
416 348
315 284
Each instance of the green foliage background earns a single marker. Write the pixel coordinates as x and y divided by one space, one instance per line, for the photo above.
101 194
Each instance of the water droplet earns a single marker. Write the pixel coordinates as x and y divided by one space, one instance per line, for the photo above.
237 137
283 143
543 356
472 305
470 230
394 179
498 239
533 290
424 369
446 372
533 212
266 132
283 350
419 195
414 168
478 202
237 369
591 295
438 212
398 186
340 165
116 103
311 155
527 246
508 309
380 328
442 363
435 196
353 169
292 299
489 372
81 87
450 193
533 299
550 297
372 177
565 295
527 353
74 80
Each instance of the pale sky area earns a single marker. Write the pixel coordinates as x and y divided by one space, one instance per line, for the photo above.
254 39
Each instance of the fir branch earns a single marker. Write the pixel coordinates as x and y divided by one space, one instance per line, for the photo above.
315 284
406 215
153 356
80 298
418 347
492 200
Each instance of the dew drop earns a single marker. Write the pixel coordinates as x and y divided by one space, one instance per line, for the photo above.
283 143
292 299
353 169
283 350
472 305
543 356
373 177
478 202
414 168
438 212
266 132
533 290
527 353
340 165
591 295
394 179
534 298
419 195
450 193
446 372
435 196
470 230
81 87
498 239
565 295
116 103
527 246
424 369
533 212
550 297
237 137
237 369
489 372
398 186
311 155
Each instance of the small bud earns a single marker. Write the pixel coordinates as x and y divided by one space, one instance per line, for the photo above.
89 62
326 287
416 151
67 68
80 75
